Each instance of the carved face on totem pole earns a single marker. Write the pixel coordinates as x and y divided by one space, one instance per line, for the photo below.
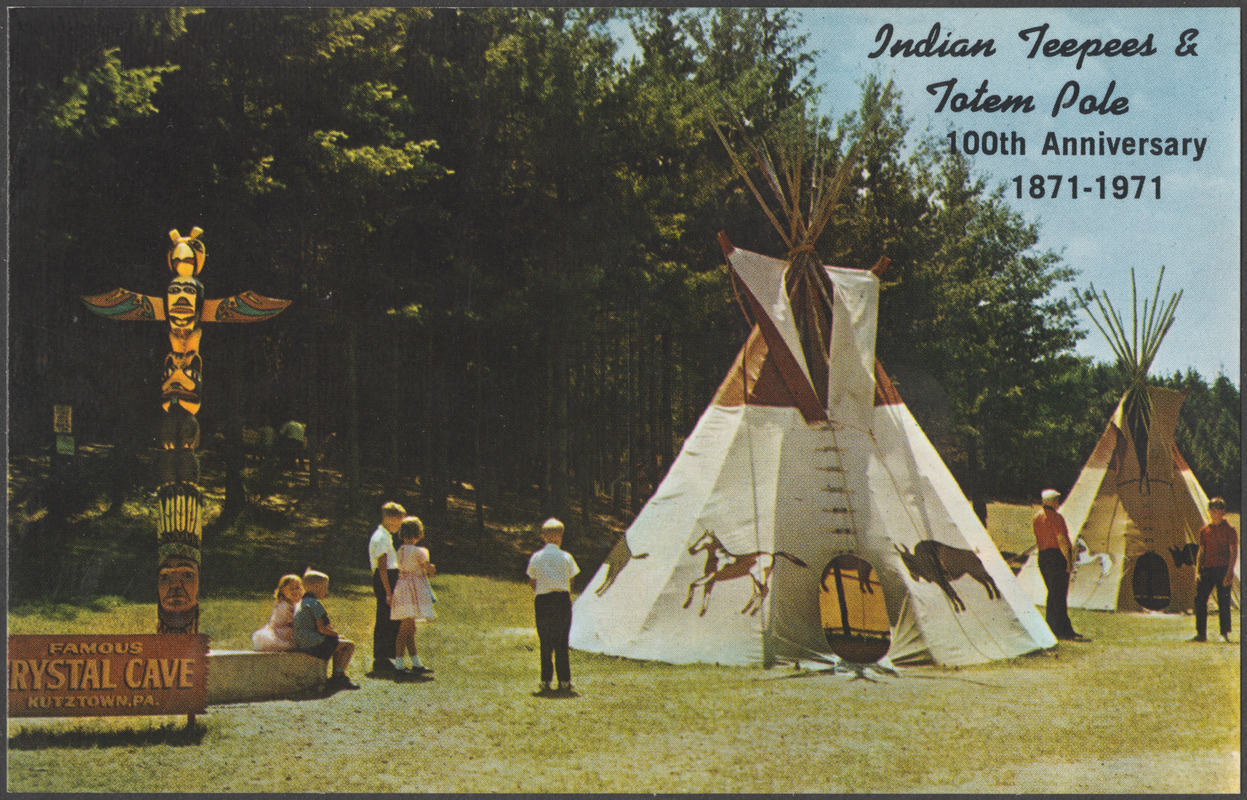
179 499
179 585
183 305
178 592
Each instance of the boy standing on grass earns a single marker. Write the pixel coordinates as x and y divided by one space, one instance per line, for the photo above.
1218 550
384 561
550 572
315 636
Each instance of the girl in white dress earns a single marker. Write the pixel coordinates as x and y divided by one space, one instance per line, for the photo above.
278 634
412 597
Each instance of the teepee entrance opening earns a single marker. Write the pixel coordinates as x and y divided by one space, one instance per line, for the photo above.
853 609
1151 581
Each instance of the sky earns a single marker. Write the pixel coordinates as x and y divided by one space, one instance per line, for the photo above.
1192 230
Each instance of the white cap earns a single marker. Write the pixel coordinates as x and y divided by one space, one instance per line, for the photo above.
1050 496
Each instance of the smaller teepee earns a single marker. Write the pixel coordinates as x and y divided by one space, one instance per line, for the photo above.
1136 509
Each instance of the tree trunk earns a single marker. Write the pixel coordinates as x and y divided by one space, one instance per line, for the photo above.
313 330
560 388
234 458
393 474
666 375
630 409
434 489
544 426
586 438
353 486
617 445
974 472
478 424
644 417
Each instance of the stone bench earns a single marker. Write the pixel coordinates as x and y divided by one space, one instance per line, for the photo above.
246 676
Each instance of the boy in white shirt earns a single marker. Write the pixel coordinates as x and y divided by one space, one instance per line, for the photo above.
550 572
384 562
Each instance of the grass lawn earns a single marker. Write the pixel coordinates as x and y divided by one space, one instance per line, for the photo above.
1138 709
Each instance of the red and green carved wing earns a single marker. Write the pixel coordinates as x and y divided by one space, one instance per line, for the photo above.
243 307
124 304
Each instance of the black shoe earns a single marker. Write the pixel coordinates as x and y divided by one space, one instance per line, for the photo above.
338 682
383 667
1198 638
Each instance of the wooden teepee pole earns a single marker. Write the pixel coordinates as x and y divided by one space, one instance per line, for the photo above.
1135 353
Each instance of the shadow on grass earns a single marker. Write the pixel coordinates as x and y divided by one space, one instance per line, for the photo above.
174 734
872 673
308 695
402 677
425 677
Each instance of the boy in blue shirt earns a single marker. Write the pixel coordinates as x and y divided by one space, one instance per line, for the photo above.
315 636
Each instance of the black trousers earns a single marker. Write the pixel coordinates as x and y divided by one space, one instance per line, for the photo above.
554 623
1052 566
1210 578
385 630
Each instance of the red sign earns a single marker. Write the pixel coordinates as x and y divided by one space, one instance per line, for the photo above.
74 675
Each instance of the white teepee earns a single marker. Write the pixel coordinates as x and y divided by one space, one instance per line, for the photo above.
807 485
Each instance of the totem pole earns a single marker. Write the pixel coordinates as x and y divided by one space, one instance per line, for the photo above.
179 525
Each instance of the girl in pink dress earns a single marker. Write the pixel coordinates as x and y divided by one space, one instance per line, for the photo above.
412 597
278 634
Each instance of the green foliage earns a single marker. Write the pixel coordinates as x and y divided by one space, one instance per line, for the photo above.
500 241
90 90
102 95
967 300
1209 433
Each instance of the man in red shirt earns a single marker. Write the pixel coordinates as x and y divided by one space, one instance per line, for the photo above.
1055 564
1218 551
